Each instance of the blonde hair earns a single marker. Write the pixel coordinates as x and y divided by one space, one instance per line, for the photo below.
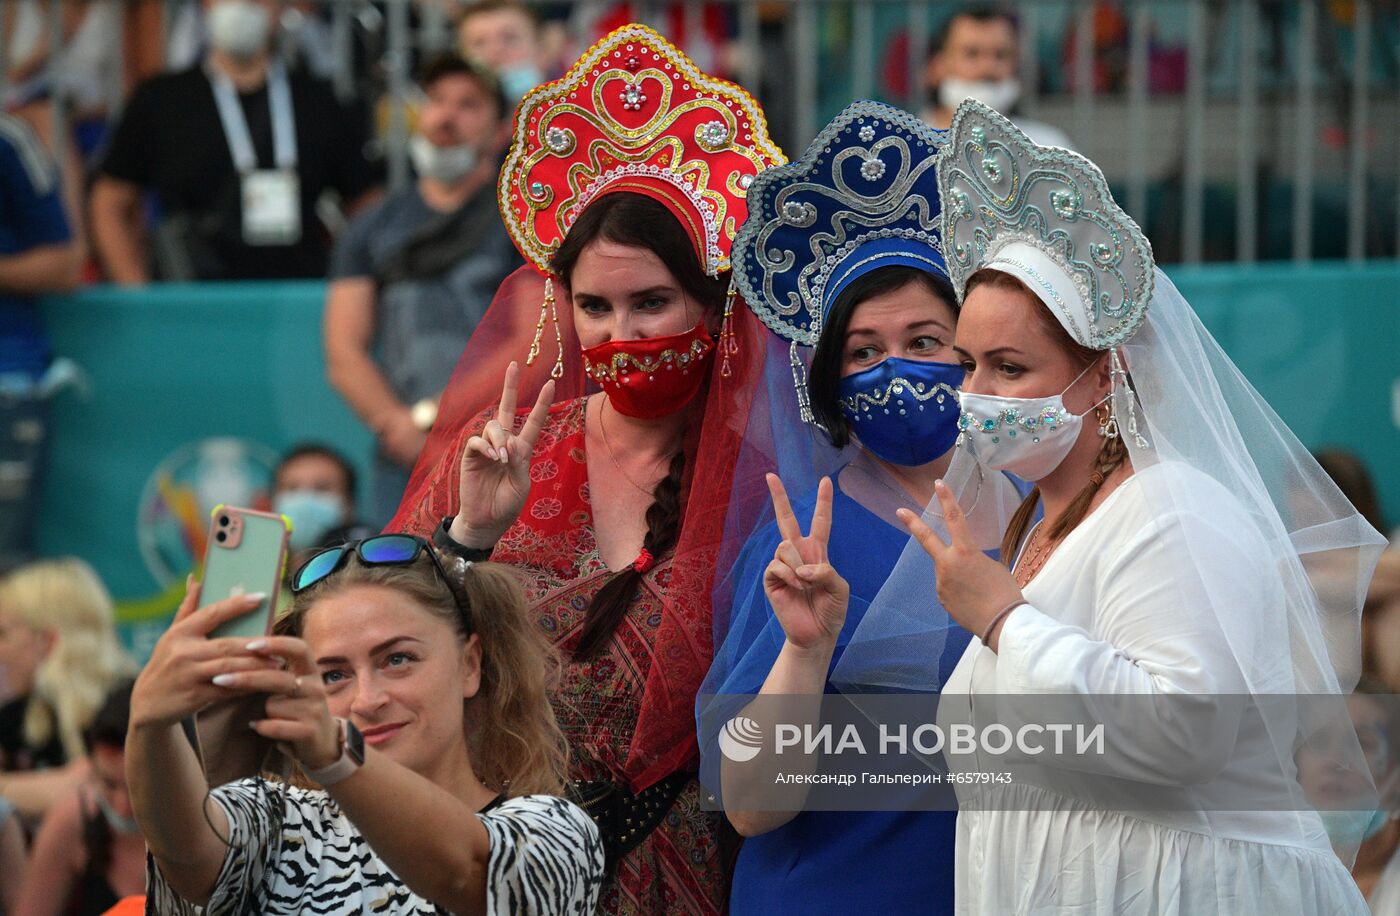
513 738
86 660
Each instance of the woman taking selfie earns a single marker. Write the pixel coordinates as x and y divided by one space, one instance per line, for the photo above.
623 189
413 690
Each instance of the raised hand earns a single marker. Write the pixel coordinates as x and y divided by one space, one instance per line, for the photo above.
297 716
972 586
494 477
808 595
178 681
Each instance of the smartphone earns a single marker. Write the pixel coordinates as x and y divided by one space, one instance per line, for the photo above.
247 552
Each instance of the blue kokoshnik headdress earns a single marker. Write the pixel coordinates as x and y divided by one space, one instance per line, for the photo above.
863 196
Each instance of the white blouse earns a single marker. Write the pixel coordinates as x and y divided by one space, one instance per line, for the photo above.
293 851
1111 613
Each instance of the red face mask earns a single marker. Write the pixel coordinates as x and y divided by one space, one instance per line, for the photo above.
654 376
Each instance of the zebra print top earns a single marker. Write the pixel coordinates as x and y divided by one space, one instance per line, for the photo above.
293 851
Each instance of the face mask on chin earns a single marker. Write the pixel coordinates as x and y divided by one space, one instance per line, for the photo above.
239 28
1001 95
445 164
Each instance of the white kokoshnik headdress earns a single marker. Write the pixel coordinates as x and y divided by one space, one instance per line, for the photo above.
1045 216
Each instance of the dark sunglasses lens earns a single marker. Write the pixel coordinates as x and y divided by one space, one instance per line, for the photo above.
317 568
389 548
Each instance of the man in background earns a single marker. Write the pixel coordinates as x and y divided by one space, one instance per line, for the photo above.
975 54
411 278
314 487
37 256
505 36
237 153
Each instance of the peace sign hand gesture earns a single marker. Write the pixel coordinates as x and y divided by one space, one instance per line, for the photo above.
808 595
972 586
495 472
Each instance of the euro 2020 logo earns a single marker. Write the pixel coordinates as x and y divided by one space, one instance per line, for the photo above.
741 739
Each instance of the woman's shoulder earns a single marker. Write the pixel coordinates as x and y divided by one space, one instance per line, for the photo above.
550 811
1172 503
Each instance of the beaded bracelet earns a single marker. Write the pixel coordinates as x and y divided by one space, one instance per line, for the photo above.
999 616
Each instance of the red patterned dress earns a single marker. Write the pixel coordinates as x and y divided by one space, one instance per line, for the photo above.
678 868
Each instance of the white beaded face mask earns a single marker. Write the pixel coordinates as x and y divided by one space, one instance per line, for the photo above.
1028 437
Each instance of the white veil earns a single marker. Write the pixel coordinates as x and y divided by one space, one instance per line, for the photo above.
1184 404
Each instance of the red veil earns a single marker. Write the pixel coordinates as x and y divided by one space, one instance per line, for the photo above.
570 137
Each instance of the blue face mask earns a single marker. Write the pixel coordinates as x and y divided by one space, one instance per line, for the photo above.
312 513
518 80
903 410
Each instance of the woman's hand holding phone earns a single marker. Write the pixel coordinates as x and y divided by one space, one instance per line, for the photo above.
178 681
188 671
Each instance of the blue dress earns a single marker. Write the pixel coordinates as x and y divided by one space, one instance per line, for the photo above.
885 862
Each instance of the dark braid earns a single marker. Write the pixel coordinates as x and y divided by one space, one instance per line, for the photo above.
663 529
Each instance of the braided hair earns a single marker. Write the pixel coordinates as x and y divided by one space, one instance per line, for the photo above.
640 222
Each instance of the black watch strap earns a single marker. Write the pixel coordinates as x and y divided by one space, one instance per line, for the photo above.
443 541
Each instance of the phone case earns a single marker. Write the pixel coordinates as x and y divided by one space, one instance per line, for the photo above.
247 551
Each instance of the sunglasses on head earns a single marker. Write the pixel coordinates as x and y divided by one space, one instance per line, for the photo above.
380 550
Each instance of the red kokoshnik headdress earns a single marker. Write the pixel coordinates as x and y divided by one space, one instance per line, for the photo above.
633 115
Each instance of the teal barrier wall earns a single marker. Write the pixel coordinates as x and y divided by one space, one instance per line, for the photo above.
174 366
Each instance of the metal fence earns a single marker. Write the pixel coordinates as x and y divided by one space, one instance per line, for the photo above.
1281 139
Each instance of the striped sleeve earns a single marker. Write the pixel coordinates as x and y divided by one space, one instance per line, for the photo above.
255 812
546 858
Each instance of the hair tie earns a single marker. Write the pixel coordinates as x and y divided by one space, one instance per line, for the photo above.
644 561
1096 479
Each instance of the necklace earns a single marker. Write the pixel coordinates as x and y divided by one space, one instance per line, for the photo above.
603 429
1037 551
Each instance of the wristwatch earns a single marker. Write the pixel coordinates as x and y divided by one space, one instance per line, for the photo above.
352 757
443 541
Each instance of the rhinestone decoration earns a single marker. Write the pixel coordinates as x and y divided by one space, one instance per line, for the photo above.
632 96
1010 421
894 392
712 136
745 181
872 169
1066 203
990 166
559 141
867 133
537 189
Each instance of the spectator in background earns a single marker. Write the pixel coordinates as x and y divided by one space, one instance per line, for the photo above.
89 852
1380 623
237 154
1351 476
314 486
37 256
1377 869
59 657
505 36
975 54
13 857
411 278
